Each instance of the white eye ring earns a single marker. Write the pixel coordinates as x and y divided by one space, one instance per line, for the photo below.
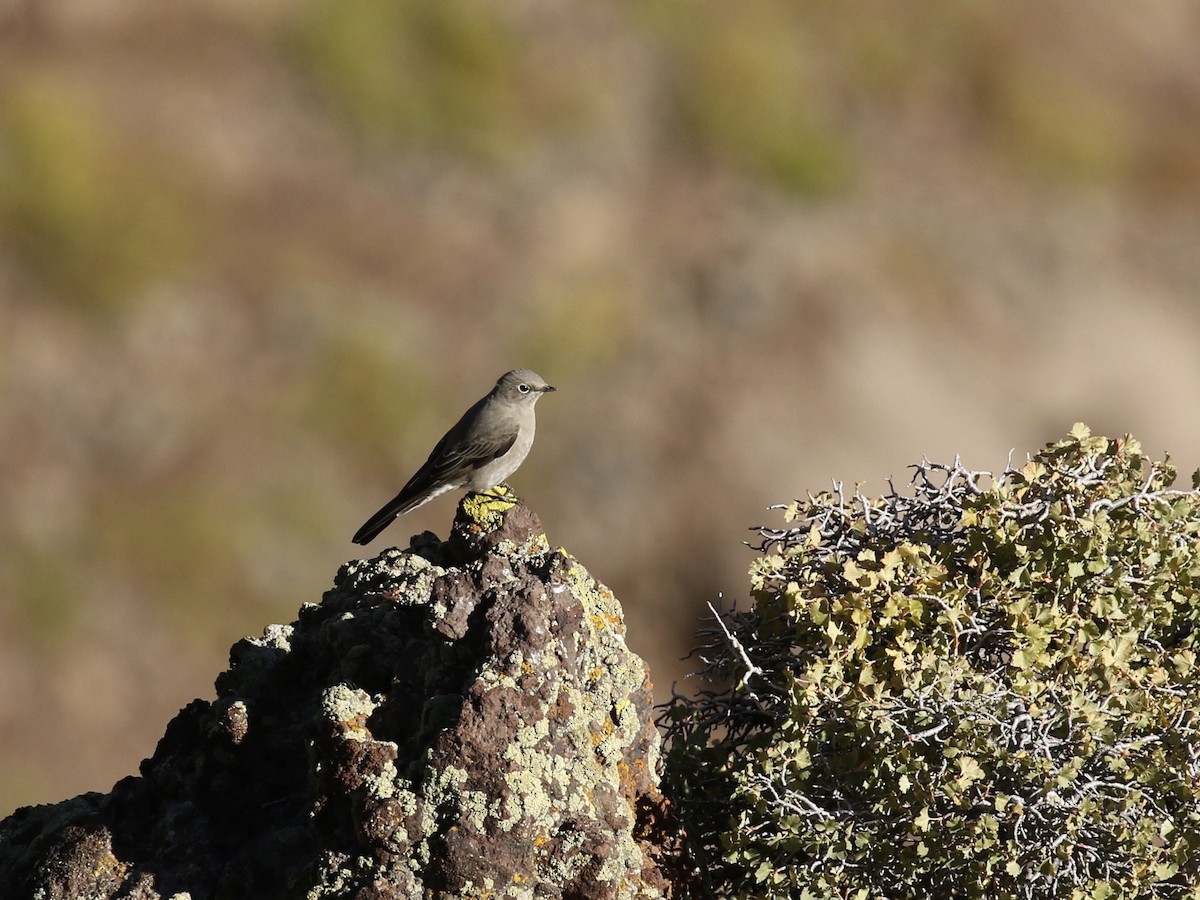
523 388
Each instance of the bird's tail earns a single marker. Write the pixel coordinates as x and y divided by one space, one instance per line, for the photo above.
397 506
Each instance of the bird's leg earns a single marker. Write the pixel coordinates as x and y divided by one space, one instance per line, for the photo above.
496 500
504 491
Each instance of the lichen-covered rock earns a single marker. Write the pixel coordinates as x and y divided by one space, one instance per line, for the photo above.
459 719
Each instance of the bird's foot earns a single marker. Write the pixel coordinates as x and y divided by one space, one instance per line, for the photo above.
488 505
504 491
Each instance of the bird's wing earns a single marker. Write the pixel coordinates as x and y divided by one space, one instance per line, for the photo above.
454 457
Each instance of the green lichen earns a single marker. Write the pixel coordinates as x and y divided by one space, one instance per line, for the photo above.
338 876
528 801
405 577
348 707
385 784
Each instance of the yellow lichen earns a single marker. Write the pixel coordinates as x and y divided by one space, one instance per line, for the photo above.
107 864
487 509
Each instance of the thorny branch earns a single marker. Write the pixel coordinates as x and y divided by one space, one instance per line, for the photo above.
1078 772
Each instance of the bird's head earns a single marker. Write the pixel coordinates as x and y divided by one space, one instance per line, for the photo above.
522 386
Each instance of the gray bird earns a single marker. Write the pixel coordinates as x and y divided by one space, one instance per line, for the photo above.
486 446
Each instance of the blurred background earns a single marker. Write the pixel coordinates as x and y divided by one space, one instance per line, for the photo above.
256 257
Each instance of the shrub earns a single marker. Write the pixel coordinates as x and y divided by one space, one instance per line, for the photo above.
987 688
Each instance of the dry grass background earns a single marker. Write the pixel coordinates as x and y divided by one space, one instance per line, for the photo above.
255 257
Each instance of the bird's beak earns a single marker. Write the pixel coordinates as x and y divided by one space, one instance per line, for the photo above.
548 389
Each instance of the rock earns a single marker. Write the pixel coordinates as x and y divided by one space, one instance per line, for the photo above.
459 719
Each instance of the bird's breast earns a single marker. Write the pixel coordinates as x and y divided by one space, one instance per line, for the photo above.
498 470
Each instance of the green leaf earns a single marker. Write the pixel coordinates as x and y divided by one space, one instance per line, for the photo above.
921 822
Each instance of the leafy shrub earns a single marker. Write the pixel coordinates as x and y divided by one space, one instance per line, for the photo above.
986 689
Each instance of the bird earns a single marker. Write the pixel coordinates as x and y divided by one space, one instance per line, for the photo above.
484 448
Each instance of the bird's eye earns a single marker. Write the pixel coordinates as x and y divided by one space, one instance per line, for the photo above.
523 388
